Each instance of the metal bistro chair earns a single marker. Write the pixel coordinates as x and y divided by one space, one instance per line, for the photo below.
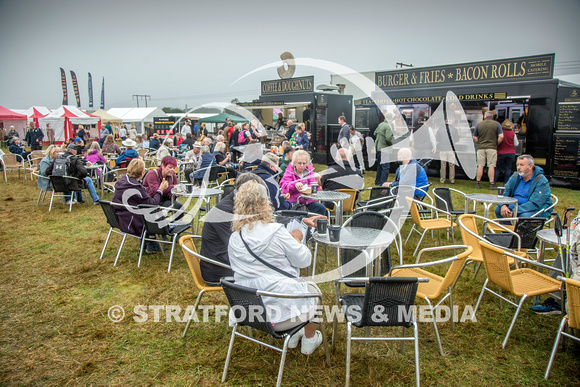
60 189
113 222
437 284
113 175
375 193
42 192
386 302
429 224
10 163
377 221
249 310
156 224
570 320
523 236
522 283
443 201
193 259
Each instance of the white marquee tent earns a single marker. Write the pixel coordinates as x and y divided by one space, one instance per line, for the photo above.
139 116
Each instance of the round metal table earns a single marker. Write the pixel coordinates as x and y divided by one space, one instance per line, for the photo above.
369 241
330 196
204 194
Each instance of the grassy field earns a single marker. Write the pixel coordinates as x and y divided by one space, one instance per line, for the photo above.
56 294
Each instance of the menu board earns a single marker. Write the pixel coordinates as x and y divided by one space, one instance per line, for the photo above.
566 162
362 118
568 116
162 125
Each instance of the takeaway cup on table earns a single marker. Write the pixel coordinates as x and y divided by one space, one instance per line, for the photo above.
322 226
314 188
334 233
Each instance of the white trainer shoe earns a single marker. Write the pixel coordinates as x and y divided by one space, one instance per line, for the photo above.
309 345
293 342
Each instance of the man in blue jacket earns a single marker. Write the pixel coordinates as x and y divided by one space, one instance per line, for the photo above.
529 185
268 171
410 173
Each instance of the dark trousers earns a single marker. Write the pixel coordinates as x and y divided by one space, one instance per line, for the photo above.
504 163
382 171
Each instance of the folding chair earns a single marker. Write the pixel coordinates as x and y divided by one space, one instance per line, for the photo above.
386 302
250 311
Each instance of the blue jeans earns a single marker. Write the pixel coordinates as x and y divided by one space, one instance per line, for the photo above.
504 163
382 171
91 188
317 208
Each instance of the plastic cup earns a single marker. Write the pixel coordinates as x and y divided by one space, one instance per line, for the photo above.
322 226
334 233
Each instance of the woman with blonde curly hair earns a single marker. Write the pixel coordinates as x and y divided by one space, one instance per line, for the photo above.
256 233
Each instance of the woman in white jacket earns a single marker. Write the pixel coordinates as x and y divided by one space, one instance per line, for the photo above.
270 241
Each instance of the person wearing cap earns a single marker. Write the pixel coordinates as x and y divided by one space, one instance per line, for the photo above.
80 145
268 171
78 171
128 154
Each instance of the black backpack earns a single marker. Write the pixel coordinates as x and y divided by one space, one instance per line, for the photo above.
62 166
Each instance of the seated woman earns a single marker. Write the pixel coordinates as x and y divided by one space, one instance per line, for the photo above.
94 154
255 228
17 149
205 161
298 179
51 153
164 150
129 191
224 160
109 145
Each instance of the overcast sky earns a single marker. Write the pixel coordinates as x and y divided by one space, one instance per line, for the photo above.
189 52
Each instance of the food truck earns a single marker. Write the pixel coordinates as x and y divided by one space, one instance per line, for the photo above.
545 111
296 99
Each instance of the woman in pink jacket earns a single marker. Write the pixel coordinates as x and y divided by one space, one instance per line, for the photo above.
298 179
